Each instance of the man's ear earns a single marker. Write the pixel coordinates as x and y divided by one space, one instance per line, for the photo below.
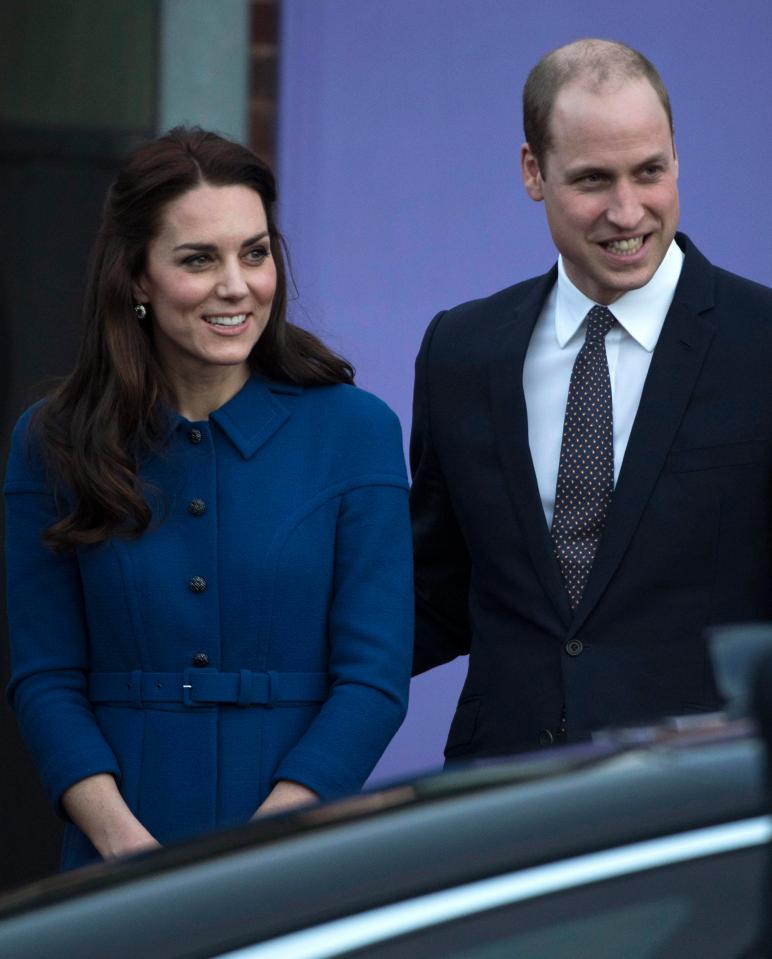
532 178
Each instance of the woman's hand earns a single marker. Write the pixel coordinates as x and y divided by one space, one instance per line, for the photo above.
96 806
286 795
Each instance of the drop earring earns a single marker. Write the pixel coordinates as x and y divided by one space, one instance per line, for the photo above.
140 311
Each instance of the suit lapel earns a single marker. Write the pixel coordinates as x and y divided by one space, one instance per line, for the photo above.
675 367
510 422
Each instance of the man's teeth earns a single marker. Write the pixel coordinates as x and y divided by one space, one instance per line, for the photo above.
625 246
226 320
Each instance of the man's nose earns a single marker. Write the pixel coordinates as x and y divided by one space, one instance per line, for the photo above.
231 283
625 209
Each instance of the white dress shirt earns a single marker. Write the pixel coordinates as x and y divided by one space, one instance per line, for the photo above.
556 340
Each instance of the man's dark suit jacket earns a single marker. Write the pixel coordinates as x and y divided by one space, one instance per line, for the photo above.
688 540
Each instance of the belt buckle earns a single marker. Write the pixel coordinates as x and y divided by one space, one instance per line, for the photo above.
187 688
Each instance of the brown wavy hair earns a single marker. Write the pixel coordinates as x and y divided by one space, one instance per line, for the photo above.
113 409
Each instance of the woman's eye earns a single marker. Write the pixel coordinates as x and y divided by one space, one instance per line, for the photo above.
197 259
258 254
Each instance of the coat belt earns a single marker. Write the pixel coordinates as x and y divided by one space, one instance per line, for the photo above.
202 687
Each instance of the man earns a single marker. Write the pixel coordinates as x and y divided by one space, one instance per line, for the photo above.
592 448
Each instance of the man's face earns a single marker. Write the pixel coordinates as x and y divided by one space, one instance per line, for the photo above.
609 185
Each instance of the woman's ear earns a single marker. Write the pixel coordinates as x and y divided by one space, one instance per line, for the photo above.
138 290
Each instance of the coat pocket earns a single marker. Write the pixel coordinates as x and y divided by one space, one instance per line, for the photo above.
715 457
464 725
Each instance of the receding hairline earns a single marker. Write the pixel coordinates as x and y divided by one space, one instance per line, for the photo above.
596 61
590 62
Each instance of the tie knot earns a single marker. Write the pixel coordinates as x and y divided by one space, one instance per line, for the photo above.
600 319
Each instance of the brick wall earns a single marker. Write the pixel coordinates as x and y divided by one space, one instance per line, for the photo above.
263 81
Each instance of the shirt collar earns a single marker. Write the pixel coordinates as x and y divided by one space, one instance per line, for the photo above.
640 312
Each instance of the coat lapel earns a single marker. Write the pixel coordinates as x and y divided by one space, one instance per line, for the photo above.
510 422
675 367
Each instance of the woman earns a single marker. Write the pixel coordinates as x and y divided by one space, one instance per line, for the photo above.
208 550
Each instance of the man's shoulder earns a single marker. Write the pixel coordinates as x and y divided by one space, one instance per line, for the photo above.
473 317
724 289
730 285
500 304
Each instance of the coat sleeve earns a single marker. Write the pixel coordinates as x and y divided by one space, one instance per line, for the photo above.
370 629
442 564
48 634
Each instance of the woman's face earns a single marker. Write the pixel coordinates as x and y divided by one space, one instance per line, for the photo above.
209 279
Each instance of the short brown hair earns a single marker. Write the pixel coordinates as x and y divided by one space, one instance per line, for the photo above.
596 60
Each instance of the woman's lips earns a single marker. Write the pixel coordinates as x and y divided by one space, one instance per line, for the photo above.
225 320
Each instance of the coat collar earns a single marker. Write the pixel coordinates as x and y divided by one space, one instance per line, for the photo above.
255 413
252 416
696 286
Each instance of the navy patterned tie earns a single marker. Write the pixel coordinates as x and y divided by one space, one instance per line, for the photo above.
586 470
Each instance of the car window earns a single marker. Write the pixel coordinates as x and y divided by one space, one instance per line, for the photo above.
632 932
705 909
690 895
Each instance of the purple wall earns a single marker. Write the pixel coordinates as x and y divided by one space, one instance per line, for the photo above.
399 136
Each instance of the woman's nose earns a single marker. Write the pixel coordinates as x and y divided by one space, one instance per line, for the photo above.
231 283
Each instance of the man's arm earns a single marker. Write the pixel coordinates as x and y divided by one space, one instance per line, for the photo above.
442 563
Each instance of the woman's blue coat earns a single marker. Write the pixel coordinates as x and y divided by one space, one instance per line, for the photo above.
303 544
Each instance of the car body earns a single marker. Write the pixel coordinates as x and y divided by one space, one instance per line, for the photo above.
649 844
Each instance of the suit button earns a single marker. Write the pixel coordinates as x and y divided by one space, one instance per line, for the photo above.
574 647
197 584
194 436
200 659
197 507
546 737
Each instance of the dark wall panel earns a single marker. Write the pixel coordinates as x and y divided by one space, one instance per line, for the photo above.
52 185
